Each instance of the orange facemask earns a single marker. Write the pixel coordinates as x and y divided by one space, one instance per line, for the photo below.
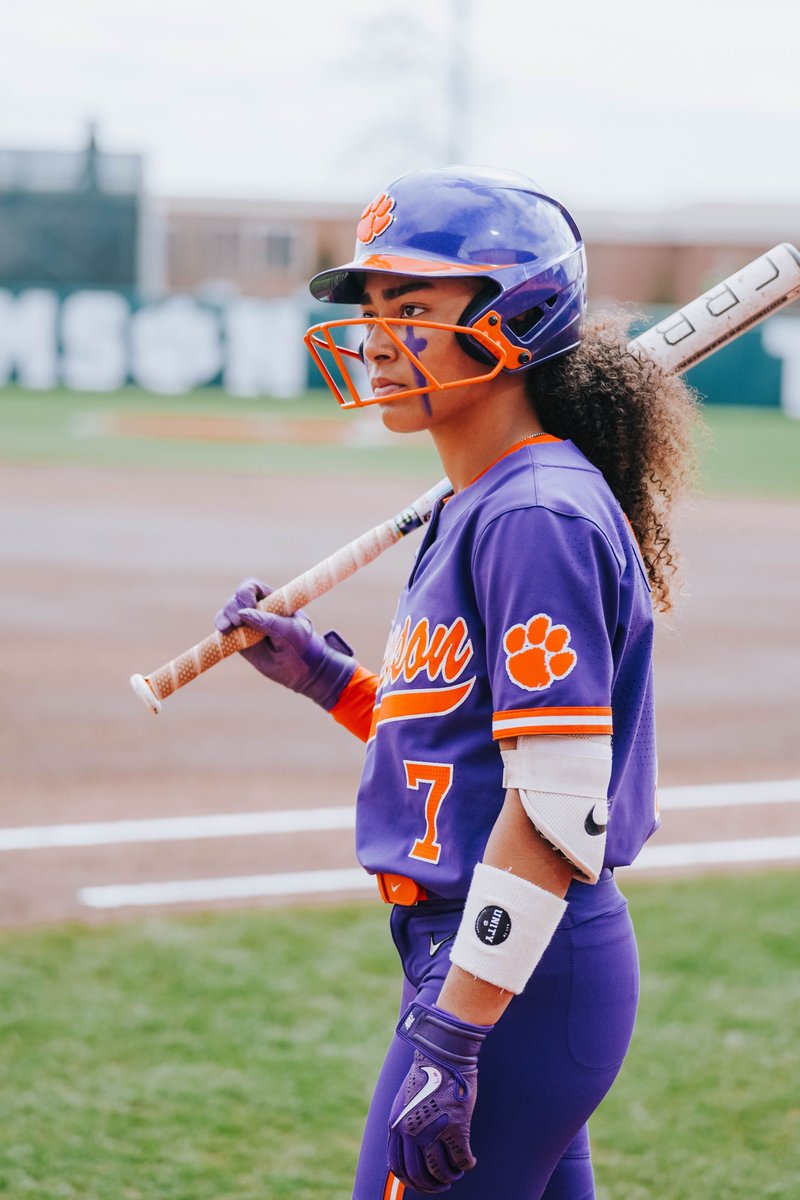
336 361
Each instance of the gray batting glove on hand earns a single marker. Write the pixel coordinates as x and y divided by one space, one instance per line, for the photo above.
292 653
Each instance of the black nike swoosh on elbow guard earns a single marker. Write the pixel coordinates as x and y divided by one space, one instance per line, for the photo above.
591 826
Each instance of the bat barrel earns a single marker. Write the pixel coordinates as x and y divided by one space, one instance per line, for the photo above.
695 331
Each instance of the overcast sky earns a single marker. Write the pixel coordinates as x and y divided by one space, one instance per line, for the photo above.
624 103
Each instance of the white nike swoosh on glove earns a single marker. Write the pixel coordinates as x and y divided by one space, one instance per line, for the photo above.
434 1081
434 946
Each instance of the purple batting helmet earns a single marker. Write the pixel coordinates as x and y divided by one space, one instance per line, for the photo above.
494 225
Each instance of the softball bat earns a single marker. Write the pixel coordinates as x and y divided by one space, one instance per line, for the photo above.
676 343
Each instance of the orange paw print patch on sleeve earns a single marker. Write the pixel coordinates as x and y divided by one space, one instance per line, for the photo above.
375 219
538 653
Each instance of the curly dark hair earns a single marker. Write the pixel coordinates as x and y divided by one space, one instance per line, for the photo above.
635 423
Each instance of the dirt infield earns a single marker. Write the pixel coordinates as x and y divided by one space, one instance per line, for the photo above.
214 428
106 574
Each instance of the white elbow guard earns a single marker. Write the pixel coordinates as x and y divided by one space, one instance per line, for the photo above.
563 785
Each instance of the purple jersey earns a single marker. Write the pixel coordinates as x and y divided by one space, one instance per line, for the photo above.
527 612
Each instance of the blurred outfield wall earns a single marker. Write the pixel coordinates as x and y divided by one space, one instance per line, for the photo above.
93 340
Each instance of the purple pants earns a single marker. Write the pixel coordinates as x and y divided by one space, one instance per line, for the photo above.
545 1066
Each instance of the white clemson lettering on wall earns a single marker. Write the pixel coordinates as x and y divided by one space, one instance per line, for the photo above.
29 337
780 337
93 341
94 353
97 340
175 346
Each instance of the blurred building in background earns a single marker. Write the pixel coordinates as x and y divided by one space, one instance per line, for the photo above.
260 247
102 285
270 248
74 219
82 218
671 256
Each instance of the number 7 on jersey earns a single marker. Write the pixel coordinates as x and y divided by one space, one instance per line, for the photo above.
440 777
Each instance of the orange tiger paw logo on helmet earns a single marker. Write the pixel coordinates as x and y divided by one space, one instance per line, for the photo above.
375 219
538 653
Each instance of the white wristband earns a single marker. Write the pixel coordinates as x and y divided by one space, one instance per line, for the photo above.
506 928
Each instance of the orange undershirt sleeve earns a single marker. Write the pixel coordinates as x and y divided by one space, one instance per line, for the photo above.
354 707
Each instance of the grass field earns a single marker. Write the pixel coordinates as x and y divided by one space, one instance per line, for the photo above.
226 1057
68 428
753 451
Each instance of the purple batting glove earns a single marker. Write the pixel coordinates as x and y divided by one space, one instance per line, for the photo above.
292 653
430 1118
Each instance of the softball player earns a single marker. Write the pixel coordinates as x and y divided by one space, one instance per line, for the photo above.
494 805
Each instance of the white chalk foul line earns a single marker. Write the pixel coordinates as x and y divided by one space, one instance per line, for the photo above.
176 829
310 820
712 854
307 883
730 795
236 887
